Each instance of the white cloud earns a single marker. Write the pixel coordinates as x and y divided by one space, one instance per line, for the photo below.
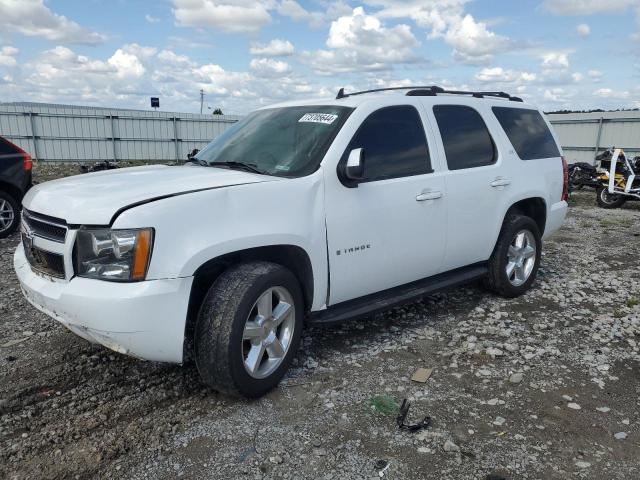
555 60
33 19
592 7
151 18
171 58
130 74
7 56
583 30
500 75
139 50
360 42
316 19
472 41
556 95
297 13
275 48
587 7
268 67
235 16
610 93
126 64
577 76
595 74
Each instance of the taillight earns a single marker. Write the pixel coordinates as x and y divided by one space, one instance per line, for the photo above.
27 163
565 185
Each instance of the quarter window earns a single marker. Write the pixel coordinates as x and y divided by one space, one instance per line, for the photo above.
528 132
394 144
467 141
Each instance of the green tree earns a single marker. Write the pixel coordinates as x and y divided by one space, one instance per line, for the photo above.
218 111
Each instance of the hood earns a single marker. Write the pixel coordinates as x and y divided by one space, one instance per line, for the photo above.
94 198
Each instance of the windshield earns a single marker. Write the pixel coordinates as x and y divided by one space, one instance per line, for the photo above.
288 142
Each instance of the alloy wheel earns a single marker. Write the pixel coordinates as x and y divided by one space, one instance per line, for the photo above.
268 332
521 258
7 215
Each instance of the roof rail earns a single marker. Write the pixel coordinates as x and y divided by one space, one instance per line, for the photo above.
431 90
474 94
341 93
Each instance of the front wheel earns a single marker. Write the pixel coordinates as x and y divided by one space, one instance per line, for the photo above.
248 328
609 200
516 257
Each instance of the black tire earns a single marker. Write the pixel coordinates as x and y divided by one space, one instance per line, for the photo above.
497 280
218 336
11 203
608 200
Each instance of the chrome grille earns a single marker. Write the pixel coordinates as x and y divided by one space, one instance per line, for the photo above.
44 257
44 226
42 261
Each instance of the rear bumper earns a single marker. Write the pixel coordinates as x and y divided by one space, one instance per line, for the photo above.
555 218
145 319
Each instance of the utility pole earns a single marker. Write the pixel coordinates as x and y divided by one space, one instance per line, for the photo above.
201 99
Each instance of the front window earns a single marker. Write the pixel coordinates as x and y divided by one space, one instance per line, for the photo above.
287 142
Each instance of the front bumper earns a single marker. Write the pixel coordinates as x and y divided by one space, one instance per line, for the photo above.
144 319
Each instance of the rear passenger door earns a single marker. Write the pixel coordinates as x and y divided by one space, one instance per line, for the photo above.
389 230
476 183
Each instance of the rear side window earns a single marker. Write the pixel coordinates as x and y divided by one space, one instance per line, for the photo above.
528 132
467 141
394 144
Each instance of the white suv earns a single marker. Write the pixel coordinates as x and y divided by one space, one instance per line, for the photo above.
311 211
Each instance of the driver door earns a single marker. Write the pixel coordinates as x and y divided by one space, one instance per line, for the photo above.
389 229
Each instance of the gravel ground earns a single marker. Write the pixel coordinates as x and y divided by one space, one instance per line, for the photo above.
543 386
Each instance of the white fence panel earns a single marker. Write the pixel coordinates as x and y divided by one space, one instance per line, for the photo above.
584 135
68 133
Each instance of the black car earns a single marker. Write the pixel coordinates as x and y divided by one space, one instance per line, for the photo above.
15 180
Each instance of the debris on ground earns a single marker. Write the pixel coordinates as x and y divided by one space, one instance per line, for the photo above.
402 418
421 375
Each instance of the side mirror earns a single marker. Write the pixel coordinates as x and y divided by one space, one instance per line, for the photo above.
354 170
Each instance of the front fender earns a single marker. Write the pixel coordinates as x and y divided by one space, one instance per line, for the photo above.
195 228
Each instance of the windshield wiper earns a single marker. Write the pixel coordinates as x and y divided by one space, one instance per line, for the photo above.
198 161
247 167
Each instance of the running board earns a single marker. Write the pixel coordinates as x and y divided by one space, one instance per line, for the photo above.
386 299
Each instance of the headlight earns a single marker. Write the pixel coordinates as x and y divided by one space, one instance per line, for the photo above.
116 255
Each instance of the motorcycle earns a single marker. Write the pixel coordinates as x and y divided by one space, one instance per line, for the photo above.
582 174
618 179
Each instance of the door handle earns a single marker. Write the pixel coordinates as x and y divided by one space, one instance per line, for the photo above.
500 182
430 195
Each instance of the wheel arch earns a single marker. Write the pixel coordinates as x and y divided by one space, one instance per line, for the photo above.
293 257
533 207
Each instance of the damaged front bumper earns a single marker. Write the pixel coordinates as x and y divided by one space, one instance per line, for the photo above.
143 319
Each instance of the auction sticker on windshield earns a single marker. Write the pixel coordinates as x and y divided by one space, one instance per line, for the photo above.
327 118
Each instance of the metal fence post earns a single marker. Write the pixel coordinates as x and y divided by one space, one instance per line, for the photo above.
598 138
113 138
34 138
175 137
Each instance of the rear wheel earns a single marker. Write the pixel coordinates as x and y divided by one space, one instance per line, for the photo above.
9 214
515 260
609 200
248 329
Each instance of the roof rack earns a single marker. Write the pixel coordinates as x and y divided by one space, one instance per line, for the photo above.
430 91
